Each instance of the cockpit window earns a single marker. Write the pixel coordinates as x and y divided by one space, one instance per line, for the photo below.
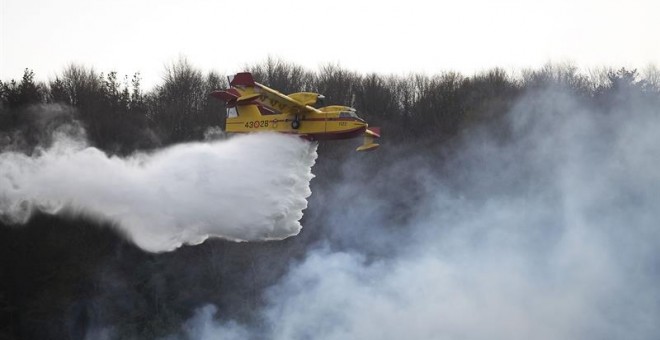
350 114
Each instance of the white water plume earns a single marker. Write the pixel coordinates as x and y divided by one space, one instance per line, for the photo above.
248 188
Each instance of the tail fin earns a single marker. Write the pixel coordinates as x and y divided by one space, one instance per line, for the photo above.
242 79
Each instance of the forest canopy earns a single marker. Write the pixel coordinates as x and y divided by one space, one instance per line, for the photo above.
120 116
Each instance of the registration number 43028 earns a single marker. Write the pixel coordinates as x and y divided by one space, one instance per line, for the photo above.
256 124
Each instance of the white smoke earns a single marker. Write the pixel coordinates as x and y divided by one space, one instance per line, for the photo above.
552 236
247 188
201 326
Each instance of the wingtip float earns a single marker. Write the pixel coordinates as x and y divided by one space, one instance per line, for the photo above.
253 107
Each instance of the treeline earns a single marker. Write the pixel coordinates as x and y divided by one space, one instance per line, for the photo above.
119 116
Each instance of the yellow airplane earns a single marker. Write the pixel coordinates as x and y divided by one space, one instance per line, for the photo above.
253 107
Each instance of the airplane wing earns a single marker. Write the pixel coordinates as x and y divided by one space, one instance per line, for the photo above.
271 98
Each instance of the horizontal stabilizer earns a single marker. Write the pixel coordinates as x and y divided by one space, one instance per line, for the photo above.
227 96
247 98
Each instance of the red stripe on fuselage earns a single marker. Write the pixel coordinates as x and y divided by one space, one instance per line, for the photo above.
346 134
335 119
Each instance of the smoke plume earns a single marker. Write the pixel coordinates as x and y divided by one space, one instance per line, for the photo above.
550 234
244 189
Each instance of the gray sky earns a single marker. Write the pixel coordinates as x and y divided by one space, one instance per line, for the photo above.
366 36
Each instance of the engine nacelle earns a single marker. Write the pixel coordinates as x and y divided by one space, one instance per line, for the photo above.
307 98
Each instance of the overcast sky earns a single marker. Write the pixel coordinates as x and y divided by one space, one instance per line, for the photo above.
367 36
